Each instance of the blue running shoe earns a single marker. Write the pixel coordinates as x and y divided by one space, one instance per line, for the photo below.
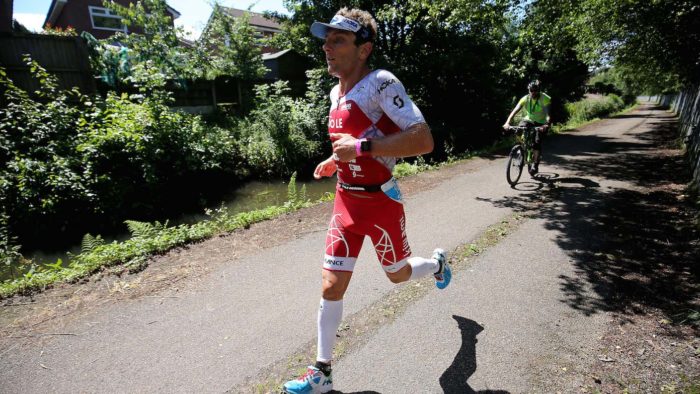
312 382
444 274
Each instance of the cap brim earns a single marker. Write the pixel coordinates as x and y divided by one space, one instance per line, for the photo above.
320 29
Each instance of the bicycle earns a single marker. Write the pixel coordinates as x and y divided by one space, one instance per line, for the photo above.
521 153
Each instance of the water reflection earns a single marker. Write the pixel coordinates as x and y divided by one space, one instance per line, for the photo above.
252 196
260 194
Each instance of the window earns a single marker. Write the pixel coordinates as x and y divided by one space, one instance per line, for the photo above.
105 19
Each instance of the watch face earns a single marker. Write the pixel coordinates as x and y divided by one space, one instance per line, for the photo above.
365 146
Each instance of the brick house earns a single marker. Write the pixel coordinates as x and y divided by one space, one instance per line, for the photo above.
90 16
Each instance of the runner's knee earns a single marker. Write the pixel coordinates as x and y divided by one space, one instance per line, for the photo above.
401 275
334 285
332 292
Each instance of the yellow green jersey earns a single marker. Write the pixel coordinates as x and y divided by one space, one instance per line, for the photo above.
535 109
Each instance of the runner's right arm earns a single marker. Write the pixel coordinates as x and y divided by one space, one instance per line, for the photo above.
325 168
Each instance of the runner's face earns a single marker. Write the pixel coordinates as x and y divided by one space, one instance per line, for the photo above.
534 94
342 55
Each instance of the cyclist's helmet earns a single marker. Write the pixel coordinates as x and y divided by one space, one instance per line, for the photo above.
534 86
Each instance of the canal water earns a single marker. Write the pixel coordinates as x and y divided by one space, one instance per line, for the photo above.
252 196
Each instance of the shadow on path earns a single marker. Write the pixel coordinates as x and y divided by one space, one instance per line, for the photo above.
454 379
635 245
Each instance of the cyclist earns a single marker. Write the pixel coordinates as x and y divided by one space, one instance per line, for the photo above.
536 105
372 121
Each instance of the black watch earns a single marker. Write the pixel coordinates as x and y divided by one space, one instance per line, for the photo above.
366 145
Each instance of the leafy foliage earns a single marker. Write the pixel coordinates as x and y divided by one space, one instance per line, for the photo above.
10 256
229 47
282 133
42 171
545 51
58 31
616 80
155 39
655 42
67 157
90 242
585 110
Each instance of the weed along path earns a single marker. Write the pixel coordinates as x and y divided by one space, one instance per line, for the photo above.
531 303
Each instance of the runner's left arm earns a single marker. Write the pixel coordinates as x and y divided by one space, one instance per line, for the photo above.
414 138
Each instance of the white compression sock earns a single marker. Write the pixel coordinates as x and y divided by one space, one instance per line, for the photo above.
421 267
329 315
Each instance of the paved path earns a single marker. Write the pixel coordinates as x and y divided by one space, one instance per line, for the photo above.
518 309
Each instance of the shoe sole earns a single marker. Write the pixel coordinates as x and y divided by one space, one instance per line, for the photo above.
446 272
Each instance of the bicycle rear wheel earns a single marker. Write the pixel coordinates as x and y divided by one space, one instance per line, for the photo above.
516 162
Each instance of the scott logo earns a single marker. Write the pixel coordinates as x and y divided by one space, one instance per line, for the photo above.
398 101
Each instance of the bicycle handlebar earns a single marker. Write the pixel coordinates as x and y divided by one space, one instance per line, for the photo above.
517 129
522 129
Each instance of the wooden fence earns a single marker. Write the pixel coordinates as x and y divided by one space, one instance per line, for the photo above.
65 57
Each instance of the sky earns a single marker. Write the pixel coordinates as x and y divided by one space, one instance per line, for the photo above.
194 13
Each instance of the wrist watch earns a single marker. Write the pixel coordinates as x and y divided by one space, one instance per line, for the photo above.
365 146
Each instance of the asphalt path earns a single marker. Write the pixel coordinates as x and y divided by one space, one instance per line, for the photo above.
518 312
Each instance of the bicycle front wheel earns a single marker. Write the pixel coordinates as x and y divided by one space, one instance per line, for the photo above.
516 162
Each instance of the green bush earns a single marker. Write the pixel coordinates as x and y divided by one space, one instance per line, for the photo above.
281 134
589 109
67 157
73 163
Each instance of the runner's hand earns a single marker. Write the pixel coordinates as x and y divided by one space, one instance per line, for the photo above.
506 126
325 168
343 146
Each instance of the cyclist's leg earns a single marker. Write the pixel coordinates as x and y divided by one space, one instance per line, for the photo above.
537 149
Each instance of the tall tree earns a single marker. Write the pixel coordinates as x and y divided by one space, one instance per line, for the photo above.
546 51
156 44
657 42
231 46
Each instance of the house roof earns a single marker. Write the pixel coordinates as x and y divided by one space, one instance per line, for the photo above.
57 6
275 55
256 19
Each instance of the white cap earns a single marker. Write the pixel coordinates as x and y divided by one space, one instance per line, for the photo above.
339 22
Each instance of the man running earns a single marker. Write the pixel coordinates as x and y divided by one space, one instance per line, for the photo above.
372 121
536 105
